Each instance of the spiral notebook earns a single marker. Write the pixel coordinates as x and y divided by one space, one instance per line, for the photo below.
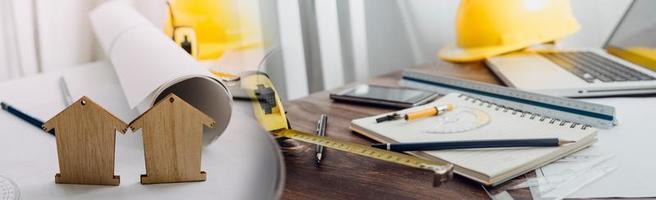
473 119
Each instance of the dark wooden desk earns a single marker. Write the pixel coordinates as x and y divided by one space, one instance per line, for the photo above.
348 176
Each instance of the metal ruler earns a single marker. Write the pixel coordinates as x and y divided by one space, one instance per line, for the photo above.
596 115
271 115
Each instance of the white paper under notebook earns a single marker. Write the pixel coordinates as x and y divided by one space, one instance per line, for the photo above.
473 119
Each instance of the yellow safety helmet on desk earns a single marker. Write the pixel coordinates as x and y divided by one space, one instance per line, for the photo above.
486 28
207 28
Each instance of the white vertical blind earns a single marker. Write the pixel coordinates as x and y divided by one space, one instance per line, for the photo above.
332 62
5 70
359 39
65 35
293 49
17 48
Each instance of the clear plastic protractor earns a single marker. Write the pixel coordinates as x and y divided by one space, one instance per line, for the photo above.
8 189
460 120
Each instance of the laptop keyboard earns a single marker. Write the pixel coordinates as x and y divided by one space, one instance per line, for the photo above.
594 68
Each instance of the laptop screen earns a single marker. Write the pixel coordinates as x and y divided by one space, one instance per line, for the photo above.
634 39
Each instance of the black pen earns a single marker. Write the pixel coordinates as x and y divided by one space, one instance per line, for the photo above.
25 117
471 144
321 131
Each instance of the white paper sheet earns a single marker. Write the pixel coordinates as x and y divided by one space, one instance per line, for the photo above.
632 144
564 177
150 65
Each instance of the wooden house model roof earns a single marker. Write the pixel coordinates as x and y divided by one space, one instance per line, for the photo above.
176 101
85 104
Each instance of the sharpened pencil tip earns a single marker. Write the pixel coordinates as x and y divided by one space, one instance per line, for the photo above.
563 142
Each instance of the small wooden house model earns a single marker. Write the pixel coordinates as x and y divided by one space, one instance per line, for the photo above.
86 135
172 136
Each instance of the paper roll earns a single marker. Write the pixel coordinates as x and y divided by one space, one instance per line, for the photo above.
149 66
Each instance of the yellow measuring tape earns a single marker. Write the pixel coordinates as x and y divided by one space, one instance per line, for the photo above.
271 115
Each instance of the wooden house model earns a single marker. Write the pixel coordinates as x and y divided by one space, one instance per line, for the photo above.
86 135
172 136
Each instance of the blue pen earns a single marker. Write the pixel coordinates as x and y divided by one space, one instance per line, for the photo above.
25 117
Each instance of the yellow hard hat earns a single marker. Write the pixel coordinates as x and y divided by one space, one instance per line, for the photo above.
206 28
486 28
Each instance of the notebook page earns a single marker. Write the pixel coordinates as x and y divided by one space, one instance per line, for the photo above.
500 125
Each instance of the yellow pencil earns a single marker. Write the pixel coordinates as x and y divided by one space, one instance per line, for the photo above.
432 111
429 112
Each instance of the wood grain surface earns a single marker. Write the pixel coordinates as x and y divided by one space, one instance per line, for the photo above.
348 176
86 136
173 138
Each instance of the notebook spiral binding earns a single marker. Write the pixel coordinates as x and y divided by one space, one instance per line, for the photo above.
522 114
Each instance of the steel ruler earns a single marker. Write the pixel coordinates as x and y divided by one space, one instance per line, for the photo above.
564 109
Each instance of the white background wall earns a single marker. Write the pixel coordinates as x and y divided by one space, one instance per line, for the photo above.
404 33
60 29
17 39
65 33
393 34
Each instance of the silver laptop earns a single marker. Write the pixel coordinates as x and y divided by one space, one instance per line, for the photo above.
626 64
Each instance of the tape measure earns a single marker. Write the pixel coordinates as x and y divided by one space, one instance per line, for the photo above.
596 115
443 172
271 115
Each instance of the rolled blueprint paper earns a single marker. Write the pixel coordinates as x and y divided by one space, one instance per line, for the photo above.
149 66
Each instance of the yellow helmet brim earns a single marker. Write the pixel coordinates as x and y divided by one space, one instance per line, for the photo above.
454 53
489 28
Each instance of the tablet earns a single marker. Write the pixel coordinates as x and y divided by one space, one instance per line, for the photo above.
384 96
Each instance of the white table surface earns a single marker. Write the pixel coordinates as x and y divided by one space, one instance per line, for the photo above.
244 163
